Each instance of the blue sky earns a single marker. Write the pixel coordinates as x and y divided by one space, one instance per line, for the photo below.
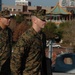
34 2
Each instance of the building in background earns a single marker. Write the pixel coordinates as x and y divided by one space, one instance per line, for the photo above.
22 2
67 3
0 5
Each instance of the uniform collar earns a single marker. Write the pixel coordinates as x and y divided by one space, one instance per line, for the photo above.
3 29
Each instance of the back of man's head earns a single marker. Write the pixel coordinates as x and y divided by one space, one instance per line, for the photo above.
5 13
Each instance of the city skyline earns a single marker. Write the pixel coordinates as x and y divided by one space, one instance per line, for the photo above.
33 2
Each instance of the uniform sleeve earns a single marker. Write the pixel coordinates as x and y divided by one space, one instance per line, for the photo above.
18 50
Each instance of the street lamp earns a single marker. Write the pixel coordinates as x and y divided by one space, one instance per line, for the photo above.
49 59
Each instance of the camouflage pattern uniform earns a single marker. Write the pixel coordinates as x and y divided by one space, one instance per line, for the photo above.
5 50
26 55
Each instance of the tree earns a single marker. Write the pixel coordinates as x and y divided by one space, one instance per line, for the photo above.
68 30
50 30
19 18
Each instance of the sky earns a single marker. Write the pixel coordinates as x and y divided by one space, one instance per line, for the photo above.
34 2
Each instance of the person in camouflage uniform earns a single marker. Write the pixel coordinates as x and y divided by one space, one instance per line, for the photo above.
5 42
27 53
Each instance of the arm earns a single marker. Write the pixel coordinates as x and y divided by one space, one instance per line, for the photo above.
18 50
16 58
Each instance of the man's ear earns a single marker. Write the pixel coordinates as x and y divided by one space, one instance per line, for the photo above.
34 19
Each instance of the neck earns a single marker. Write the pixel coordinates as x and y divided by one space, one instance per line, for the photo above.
36 28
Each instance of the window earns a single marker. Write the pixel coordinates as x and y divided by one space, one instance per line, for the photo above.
19 9
14 9
68 61
64 3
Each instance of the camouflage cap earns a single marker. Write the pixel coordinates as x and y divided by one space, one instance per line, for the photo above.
39 14
5 13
